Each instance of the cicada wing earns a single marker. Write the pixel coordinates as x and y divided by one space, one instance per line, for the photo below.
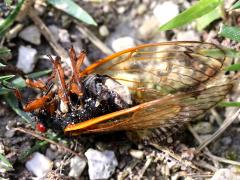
158 69
167 112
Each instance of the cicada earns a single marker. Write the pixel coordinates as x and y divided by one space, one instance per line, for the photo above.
155 87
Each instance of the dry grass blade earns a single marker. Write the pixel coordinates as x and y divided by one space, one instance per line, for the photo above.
223 127
96 41
208 153
26 131
47 34
175 156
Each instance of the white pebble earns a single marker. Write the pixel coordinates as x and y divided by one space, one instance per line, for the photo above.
26 58
101 165
136 153
165 11
103 31
77 166
189 35
31 34
39 165
123 43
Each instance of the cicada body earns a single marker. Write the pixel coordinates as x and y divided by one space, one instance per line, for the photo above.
152 86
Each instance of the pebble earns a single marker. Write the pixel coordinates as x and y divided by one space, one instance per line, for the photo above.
31 34
122 43
39 165
77 166
103 31
101 165
226 140
224 173
61 35
165 11
136 153
51 154
26 58
148 28
9 133
54 30
203 128
189 35
141 9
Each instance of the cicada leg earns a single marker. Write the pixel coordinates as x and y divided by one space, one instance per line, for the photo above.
76 86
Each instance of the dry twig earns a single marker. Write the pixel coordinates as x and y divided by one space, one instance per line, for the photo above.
223 127
96 41
47 34
26 131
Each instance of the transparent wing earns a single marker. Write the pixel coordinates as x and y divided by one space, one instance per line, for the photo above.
167 112
155 70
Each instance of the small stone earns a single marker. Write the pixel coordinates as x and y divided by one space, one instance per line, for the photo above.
9 133
121 9
39 165
223 174
60 34
203 128
148 28
123 43
165 11
103 31
54 29
31 34
136 153
26 58
77 166
64 36
189 35
141 9
50 154
101 165
226 140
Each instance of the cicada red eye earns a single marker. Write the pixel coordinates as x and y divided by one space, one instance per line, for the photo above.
40 127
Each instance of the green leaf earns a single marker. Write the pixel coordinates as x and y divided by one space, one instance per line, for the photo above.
5 53
19 83
74 10
197 10
235 6
39 74
6 23
4 163
2 65
206 19
230 32
230 104
234 67
13 103
5 78
218 53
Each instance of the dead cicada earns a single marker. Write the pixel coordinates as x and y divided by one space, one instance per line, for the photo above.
152 86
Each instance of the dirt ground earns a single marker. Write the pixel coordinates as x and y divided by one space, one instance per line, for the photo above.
174 158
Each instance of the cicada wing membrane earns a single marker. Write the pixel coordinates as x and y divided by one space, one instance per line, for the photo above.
164 113
159 69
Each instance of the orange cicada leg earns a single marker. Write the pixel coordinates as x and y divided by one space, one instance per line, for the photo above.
37 103
76 86
62 87
36 84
